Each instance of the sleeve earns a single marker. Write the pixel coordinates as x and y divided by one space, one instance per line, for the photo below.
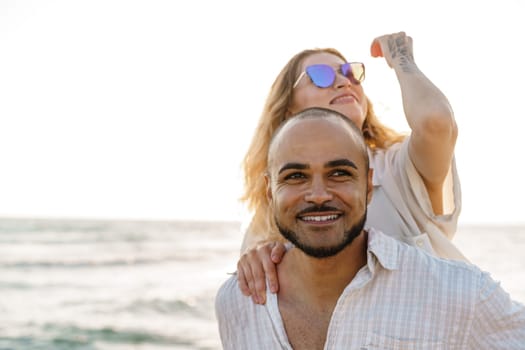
245 325
499 322
229 317
414 190
404 186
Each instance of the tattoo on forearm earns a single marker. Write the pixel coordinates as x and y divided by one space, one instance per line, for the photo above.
399 47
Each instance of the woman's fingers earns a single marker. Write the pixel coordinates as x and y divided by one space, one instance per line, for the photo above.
258 265
278 252
375 49
393 47
244 277
251 275
258 272
270 270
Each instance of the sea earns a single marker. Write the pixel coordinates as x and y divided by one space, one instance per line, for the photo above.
150 285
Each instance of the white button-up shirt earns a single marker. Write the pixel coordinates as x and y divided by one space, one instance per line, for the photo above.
403 298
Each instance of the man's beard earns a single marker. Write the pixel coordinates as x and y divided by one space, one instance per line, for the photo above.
323 252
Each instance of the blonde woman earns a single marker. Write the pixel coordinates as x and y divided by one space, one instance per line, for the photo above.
416 194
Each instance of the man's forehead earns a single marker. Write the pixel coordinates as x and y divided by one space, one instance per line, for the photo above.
314 138
303 129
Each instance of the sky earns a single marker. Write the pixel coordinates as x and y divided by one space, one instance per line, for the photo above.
144 109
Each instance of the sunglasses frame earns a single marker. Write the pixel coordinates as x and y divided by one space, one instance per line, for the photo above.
335 71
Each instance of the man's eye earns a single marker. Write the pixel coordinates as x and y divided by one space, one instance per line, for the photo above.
341 173
294 176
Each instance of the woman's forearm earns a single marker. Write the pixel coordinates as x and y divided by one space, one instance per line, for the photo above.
428 113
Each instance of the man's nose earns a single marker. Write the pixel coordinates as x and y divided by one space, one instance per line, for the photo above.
318 192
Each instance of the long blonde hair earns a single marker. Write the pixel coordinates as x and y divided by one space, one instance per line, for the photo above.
377 136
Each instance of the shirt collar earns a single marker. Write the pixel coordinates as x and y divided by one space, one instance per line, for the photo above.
382 249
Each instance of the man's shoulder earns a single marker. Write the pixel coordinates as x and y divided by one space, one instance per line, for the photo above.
230 301
244 324
397 253
229 295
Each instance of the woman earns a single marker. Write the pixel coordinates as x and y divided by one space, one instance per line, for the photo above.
416 195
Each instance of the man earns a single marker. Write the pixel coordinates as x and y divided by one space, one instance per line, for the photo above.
343 287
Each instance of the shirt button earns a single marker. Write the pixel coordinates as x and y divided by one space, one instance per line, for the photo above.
419 242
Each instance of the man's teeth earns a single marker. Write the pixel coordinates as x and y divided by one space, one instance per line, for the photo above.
320 218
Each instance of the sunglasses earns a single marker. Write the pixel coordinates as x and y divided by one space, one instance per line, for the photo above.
323 75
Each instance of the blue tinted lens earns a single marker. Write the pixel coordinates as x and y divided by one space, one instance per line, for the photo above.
354 71
322 75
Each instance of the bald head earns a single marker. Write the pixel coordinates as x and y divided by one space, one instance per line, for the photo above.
310 121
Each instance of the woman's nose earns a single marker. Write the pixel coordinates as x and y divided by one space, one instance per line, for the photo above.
342 81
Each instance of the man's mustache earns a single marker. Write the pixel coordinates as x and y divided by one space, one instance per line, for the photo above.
316 209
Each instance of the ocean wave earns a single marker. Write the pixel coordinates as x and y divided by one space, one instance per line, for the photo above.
71 337
15 285
131 228
98 262
161 306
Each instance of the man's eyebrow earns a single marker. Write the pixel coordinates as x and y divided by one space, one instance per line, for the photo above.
340 162
331 164
296 166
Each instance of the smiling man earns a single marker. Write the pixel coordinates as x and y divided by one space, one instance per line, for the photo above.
346 287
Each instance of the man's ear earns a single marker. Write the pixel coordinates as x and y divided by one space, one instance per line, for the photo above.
370 185
268 182
288 112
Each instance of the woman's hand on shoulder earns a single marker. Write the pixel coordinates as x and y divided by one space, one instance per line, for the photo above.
258 264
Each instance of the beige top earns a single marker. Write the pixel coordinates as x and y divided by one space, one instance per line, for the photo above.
401 207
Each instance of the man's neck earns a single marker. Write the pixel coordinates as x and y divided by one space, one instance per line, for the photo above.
319 282
309 290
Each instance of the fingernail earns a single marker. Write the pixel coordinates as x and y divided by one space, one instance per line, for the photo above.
273 288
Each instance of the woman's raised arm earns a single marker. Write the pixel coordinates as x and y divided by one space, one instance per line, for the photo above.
428 113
